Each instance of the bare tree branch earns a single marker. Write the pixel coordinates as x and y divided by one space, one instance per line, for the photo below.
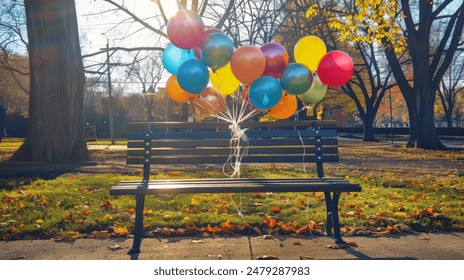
137 19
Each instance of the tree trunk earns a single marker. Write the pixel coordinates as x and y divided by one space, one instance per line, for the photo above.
449 119
2 121
56 121
369 128
422 119
184 112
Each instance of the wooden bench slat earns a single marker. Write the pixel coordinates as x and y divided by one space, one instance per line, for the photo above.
283 124
226 151
226 134
202 181
226 143
223 159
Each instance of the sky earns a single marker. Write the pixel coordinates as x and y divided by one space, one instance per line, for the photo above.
92 23
115 28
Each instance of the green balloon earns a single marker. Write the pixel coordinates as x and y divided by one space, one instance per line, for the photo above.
296 79
315 93
217 50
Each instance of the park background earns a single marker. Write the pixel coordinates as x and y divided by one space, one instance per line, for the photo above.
412 184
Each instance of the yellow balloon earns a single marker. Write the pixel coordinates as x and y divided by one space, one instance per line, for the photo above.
224 81
309 50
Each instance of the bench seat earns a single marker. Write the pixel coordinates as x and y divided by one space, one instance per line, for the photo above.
255 185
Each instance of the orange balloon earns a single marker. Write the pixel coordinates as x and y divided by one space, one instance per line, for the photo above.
248 64
175 92
210 102
285 108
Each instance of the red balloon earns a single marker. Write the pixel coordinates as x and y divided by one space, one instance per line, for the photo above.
335 68
186 30
276 59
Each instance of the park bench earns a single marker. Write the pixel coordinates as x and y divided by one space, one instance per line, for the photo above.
171 143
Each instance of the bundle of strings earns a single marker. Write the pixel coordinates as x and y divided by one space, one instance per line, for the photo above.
237 150
238 112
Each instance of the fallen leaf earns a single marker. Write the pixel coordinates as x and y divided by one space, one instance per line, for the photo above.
121 231
382 234
267 257
275 209
105 204
352 244
72 236
266 237
115 247
337 246
102 234
85 212
219 257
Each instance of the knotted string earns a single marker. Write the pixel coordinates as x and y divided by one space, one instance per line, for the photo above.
237 150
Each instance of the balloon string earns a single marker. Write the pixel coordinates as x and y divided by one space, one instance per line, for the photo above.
304 153
307 107
306 176
304 170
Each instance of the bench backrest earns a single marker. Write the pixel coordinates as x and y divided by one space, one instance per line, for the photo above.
166 143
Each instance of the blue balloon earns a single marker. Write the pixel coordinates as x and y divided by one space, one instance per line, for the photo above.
265 92
193 76
173 57
217 50
296 79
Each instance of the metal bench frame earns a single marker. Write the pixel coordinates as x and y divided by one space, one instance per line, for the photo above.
207 143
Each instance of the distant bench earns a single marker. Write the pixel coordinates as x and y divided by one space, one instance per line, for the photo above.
170 143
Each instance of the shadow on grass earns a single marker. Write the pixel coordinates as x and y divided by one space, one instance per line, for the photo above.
16 174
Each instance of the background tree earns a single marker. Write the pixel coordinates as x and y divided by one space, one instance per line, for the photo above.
147 71
371 78
410 31
56 125
14 68
451 88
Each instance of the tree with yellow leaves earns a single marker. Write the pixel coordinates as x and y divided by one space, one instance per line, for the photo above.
371 77
405 26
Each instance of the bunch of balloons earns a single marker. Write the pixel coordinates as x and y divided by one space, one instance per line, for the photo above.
198 57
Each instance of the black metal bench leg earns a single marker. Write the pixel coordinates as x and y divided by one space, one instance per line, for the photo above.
138 231
333 221
328 207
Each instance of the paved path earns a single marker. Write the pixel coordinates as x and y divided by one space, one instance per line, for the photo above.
444 246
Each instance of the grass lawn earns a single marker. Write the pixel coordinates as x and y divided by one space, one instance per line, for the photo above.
422 189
